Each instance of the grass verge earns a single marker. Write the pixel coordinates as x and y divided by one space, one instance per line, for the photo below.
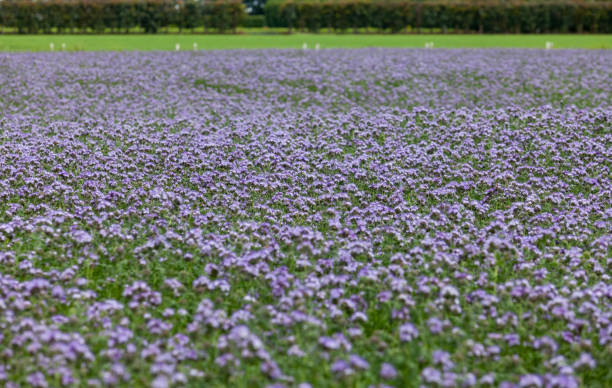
216 42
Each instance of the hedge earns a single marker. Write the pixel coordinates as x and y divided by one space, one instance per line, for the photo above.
253 21
31 16
459 16
492 16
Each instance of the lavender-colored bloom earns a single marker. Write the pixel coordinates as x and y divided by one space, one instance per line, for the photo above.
435 325
358 362
442 358
507 384
37 379
335 342
160 381
487 379
408 332
431 375
562 381
585 361
512 339
435 210
387 371
530 381
295 351
81 237
342 368
469 380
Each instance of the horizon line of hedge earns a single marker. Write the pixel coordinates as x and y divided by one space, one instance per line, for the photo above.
484 16
31 16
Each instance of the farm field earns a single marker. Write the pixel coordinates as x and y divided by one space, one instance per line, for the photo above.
261 41
288 218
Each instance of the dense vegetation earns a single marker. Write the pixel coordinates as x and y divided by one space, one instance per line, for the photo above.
458 16
298 218
30 16
495 16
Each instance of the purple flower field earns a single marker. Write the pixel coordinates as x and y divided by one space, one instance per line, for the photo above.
339 218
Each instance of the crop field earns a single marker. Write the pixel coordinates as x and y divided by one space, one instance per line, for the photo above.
289 218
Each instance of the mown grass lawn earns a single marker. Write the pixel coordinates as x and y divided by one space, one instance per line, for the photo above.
164 42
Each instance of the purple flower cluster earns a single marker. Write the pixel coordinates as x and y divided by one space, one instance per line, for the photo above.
374 217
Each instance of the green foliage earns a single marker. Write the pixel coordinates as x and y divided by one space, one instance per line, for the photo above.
495 16
253 21
31 16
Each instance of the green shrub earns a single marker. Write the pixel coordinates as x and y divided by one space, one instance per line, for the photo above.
253 21
491 16
31 16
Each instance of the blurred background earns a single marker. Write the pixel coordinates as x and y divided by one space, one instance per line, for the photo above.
472 20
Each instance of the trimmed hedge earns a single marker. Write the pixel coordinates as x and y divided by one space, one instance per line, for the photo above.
459 16
31 16
253 21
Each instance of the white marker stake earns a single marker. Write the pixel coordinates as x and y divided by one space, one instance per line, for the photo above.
549 45
63 46
177 47
317 46
51 47
304 46
195 46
